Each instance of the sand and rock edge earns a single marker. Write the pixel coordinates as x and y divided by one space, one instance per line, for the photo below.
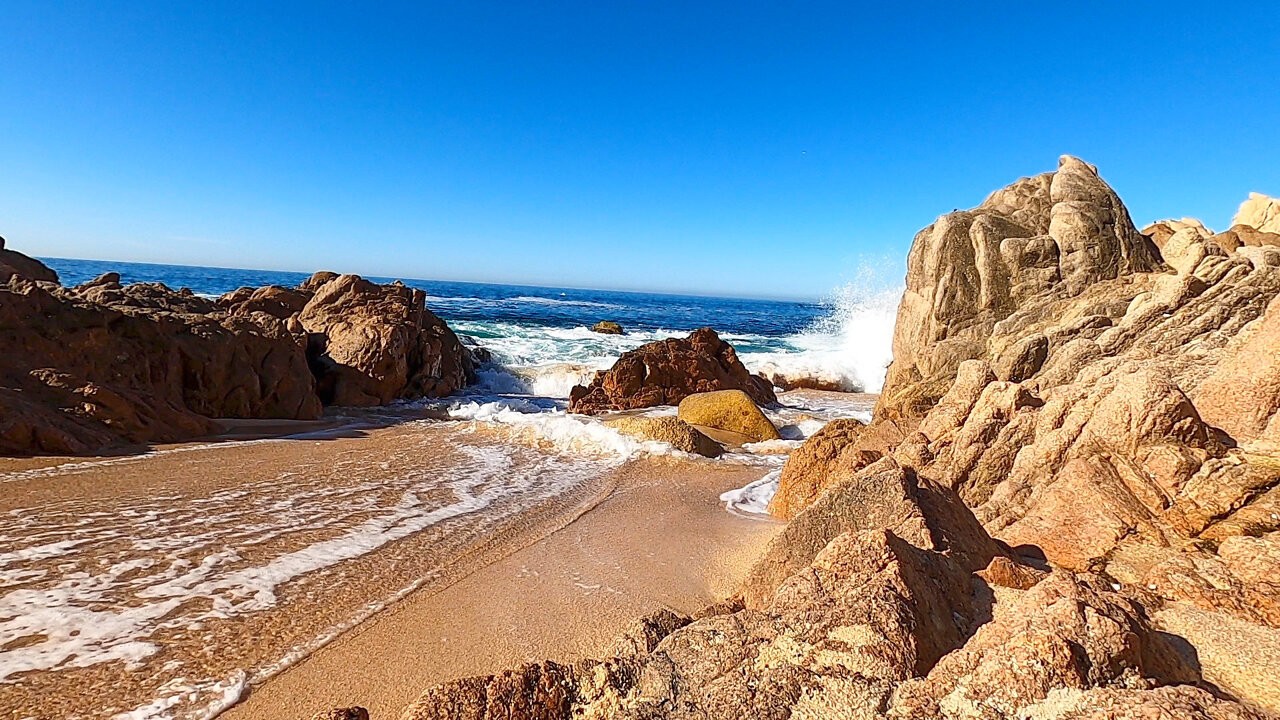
1067 505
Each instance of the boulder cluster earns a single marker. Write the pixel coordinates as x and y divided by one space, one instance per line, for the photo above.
666 372
104 365
1067 504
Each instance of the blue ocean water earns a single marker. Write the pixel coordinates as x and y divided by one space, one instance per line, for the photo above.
541 335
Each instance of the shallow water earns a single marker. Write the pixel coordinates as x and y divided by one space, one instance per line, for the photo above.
219 565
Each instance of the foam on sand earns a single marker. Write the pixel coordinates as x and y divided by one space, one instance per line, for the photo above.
754 498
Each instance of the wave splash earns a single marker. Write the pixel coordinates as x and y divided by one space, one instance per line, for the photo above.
847 350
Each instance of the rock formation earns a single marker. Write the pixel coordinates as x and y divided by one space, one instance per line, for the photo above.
673 431
730 411
370 344
102 364
667 371
1260 213
1067 505
607 327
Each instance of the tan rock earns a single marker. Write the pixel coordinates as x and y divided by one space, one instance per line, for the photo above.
1242 396
826 458
1259 212
607 327
731 410
673 431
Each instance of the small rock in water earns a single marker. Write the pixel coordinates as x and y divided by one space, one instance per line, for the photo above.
608 327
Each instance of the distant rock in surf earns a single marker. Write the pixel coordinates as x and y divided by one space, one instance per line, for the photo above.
608 327
667 371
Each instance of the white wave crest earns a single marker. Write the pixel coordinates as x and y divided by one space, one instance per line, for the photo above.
848 350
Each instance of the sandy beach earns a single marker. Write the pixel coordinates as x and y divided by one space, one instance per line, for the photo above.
351 561
661 539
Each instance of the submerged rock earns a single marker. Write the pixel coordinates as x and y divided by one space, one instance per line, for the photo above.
667 371
673 431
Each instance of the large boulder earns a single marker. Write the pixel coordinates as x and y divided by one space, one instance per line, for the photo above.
731 411
1044 238
826 458
667 371
370 344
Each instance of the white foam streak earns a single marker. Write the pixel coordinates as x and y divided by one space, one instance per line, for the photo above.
754 498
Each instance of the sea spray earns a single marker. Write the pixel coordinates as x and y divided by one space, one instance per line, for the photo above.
848 349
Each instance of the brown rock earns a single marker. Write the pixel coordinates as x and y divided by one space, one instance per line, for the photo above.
1008 573
729 410
371 344
138 364
16 264
276 301
666 372
607 327
349 713
673 431
826 458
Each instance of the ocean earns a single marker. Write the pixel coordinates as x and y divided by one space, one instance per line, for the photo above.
541 338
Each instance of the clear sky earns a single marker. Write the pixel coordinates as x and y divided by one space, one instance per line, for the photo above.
758 149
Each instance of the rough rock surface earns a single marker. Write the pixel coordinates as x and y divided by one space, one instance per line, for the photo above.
977 278
607 327
673 431
1067 506
369 344
103 365
1259 212
828 457
667 371
728 410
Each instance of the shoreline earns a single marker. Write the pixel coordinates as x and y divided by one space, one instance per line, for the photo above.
660 538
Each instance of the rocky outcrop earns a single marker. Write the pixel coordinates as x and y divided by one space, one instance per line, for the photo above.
731 411
103 364
15 263
1260 213
666 372
673 431
829 456
1067 506
607 327
976 279
369 344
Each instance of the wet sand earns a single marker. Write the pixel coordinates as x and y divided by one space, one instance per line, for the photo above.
661 538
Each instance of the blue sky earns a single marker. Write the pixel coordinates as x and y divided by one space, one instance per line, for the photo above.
719 148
